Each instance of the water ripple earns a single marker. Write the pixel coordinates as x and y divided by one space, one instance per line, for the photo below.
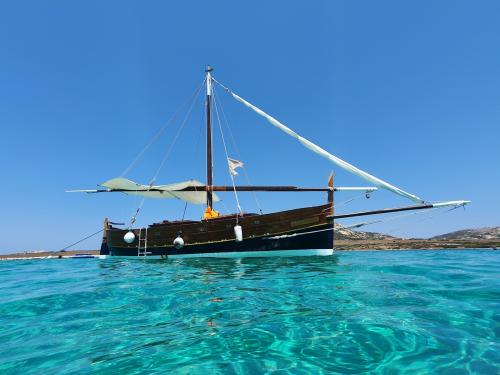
356 312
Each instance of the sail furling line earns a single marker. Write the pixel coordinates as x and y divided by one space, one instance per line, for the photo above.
320 151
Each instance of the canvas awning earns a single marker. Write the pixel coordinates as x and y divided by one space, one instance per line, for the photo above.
123 185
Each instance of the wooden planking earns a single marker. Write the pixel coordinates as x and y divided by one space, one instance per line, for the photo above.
222 229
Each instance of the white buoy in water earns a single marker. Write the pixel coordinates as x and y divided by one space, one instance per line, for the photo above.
238 233
178 242
129 237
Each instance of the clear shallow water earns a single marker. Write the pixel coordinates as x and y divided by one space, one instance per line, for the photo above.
385 312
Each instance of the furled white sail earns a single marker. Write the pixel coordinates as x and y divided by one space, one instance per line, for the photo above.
357 188
450 203
341 163
126 186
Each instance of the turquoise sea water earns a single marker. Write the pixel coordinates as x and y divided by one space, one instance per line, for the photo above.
412 312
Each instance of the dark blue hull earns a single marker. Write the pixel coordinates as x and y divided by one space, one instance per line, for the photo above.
307 241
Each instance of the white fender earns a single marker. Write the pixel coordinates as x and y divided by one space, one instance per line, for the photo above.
238 233
129 237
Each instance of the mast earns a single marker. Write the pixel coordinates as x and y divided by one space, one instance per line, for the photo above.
209 137
330 192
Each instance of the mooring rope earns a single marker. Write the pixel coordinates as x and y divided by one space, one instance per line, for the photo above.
83 239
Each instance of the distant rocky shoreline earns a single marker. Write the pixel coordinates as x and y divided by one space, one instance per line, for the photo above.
340 245
482 238
47 254
398 244
349 240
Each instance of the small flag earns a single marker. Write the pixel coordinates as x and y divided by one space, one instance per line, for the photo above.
233 164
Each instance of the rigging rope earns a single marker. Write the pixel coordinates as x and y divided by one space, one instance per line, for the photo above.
394 217
184 213
226 122
175 138
359 225
179 131
161 131
198 140
427 218
83 239
238 207
349 200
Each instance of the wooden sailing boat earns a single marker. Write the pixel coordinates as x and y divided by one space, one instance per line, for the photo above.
296 232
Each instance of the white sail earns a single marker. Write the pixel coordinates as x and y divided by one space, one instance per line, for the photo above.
318 150
171 191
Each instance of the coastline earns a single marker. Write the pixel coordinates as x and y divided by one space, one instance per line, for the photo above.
46 254
340 245
416 244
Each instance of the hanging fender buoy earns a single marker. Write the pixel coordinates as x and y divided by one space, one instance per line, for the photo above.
129 237
238 233
179 242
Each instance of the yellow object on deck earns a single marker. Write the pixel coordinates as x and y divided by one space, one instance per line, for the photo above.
210 213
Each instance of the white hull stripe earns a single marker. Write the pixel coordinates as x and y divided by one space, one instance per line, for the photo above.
235 254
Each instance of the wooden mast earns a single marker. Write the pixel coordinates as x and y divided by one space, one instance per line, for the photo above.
330 202
330 192
209 137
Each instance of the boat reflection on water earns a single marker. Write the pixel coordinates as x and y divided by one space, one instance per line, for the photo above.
223 268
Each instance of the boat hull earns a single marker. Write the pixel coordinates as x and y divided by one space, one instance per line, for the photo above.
300 232
317 241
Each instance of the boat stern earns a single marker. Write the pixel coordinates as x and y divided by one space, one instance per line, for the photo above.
104 245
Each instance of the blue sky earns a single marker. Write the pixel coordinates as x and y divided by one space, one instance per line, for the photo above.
408 91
